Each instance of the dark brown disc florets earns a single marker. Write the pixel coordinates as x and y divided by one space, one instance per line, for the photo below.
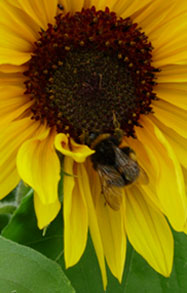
87 68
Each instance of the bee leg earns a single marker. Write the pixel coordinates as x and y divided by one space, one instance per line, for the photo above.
102 191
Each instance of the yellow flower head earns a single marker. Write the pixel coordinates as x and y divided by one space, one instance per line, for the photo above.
103 84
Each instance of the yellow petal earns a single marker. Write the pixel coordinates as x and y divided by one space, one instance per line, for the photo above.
150 194
185 228
10 92
174 93
11 79
173 73
152 173
87 3
93 222
185 176
9 177
11 41
7 68
171 116
149 232
17 21
49 8
11 138
13 108
68 147
169 182
169 41
111 224
73 5
177 142
42 12
45 213
101 4
185 179
153 15
11 56
95 182
128 7
75 215
39 166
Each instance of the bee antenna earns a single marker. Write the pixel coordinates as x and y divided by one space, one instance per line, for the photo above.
115 121
118 132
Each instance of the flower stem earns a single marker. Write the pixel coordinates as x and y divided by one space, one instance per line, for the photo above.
7 207
21 191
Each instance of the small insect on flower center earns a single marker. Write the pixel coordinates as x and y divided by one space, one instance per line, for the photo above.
88 68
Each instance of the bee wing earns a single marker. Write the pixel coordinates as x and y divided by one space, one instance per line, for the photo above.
143 177
112 194
126 166
110 175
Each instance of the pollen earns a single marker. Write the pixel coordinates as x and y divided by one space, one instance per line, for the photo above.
87 68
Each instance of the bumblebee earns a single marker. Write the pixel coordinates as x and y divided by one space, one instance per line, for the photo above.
117 167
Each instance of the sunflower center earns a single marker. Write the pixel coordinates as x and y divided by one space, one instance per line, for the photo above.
89 68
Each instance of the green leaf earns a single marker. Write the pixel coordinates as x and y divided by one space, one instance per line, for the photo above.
139 276
23 229
4 219
7 207
11 197
86 276
24 270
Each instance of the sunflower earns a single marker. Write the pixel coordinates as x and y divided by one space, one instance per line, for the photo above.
74 70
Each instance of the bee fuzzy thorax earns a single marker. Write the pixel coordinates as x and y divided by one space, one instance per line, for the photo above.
104 150
99 139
